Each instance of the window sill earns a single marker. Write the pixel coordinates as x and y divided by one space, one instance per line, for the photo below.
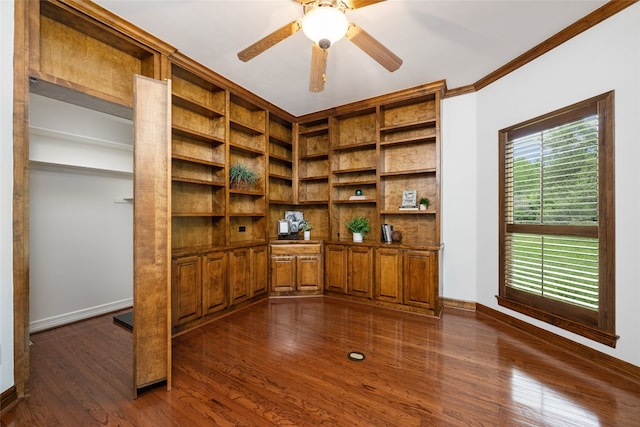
598 335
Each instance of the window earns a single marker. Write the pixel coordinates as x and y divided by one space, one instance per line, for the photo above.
557 258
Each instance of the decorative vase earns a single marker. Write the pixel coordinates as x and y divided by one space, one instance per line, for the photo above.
307 235
423 207
357 237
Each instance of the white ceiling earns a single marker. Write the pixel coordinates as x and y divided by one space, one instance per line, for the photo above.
459 41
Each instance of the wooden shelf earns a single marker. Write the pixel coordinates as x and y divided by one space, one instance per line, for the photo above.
280 202
354 202
398 212
353 183
314 178
188 133
198 214
245 127
281 159
351 147
313 202
198 181
246 215
315 130
245 149
409 140
279 141
409 126
281 177
314 156
256 193
355 170
197 161
195 106
409 172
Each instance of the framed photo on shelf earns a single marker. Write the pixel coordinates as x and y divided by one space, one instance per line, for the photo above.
409 199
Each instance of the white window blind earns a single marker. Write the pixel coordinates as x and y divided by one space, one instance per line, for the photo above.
551 179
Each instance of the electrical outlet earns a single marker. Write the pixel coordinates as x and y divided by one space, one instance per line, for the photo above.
242 229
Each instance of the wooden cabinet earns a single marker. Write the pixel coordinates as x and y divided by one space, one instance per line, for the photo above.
296 267
389 275
309 272
259 270
214 282
335 277
283 273
186 290
421 279
239 275
360 271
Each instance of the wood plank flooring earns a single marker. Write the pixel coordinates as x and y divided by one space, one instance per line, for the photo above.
284 362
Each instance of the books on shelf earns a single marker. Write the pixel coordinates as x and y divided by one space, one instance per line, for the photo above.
402 208
362 197
386 232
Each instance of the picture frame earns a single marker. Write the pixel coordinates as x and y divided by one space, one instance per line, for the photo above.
409 199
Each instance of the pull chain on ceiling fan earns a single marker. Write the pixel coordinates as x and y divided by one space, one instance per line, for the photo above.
325 23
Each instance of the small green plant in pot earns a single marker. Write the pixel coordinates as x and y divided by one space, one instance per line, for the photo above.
306 228
242 177
424 203
359 226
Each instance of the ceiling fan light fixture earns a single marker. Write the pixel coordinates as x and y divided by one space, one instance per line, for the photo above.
325 23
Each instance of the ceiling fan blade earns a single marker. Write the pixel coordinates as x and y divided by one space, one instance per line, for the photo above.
270 40
373 48
319 58
357 4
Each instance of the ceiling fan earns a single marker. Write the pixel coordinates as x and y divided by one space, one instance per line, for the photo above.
325 23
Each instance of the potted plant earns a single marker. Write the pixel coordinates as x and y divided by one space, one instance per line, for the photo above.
306 228
424 203
359 226
242 177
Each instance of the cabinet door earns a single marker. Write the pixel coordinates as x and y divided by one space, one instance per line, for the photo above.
186 290
259 269
360 279
283 273
239 275
389 275
420 279
335 261
214 282
309 273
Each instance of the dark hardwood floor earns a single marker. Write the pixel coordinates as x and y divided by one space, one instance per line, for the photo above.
284 362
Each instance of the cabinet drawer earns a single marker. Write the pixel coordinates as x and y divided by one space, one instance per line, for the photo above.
295 249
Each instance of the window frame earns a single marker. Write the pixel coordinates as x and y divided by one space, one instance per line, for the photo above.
596 325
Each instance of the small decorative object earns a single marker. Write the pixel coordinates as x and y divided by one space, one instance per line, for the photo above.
306 228
359 226
241 177
424 203
409 200
358 196
396 236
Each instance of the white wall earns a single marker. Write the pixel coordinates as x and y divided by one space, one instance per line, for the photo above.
6 195
606 57
459 197
80 225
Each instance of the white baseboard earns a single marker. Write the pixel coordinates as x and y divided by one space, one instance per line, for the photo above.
74 316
